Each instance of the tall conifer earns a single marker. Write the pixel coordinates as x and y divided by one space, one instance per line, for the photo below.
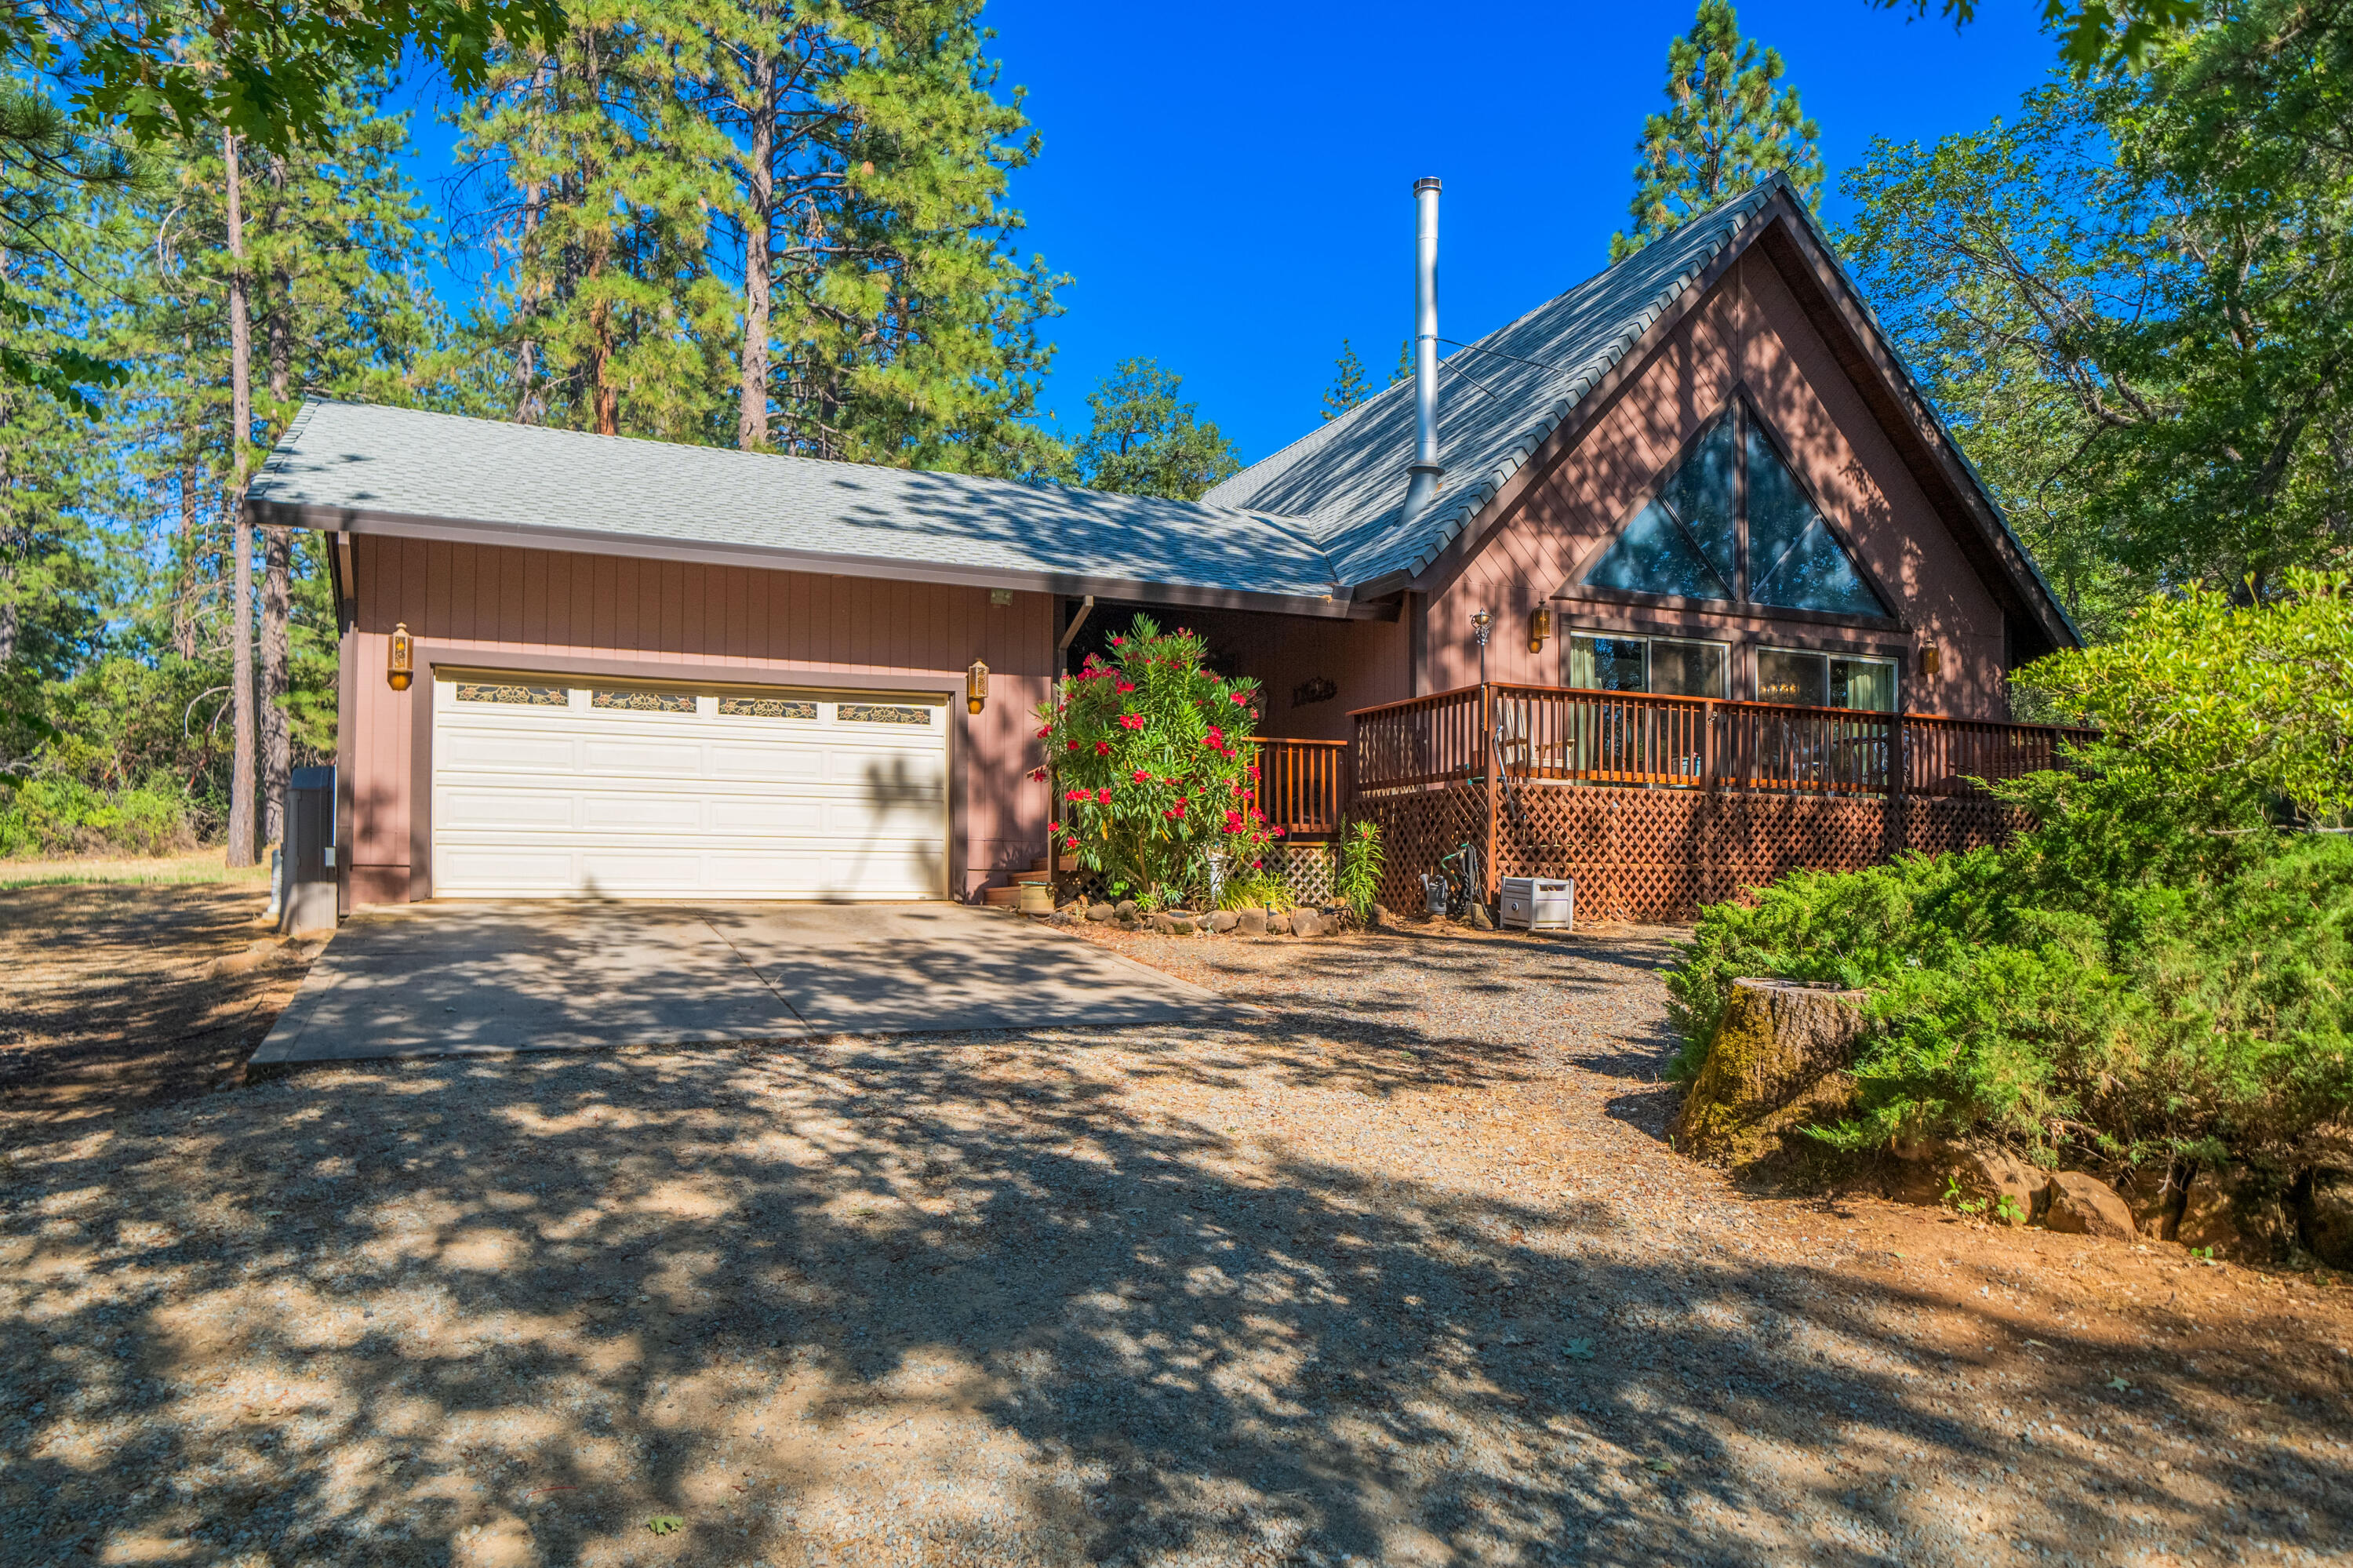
1726 128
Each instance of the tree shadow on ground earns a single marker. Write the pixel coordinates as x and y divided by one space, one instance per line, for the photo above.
962 1300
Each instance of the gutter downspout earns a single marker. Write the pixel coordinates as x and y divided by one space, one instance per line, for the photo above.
1422 487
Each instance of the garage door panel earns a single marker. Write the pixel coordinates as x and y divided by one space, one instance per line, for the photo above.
578 802
489 751
498 809
641 759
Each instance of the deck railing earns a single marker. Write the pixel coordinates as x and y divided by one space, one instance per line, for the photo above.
1696 743
1302 785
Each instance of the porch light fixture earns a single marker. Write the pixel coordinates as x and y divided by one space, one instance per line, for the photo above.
1481 623
400 664
1539 627
1931 660
976 687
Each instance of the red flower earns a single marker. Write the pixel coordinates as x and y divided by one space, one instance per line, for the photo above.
1102 796
1045 731
1118 641
1175 811
1141 777
1276 831
1253 769
1233 821
1102 748
1072 746
1256 864
1126 687
1052 828
1076 795
1131 721
1240 698
1037 776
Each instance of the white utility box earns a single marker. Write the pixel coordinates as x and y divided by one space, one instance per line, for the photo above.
1539 902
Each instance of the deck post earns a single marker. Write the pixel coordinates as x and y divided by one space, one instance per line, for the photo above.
1491 766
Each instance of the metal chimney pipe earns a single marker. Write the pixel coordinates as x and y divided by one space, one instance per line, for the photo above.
1423 486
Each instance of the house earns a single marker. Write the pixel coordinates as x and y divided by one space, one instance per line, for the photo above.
627 668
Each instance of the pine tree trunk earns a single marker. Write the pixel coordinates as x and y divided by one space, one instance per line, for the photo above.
10 623
241 845
752 420
277 544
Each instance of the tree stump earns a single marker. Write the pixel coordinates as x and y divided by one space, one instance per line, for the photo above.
1777 1043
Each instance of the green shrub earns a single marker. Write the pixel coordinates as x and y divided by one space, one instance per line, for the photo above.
63 816
1152 756
2156 966
1257 888
1356 879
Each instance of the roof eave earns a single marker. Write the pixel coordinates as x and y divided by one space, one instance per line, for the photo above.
262 512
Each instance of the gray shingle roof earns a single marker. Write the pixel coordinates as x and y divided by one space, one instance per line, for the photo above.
350 464
1499 401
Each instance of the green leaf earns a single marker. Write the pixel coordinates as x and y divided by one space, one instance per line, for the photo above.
665 1523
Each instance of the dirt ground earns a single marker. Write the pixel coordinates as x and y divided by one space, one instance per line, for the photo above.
114 995
1399 1270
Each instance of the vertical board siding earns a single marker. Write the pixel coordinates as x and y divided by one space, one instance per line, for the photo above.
1750 334
724 622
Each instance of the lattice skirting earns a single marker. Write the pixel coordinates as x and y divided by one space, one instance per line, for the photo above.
1662 854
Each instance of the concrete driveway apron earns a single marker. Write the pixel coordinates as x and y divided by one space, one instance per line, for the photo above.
435 979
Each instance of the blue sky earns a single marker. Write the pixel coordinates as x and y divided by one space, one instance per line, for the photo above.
1229 185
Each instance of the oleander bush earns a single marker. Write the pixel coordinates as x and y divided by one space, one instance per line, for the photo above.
2162 964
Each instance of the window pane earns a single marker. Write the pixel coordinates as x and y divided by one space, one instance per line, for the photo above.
1796 678
1687 669
1793 561
881 712
1703 493
1862 683
643 702
1653 555
1607 663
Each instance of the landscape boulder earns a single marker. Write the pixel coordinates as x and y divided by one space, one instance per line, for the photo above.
1124 909
1480 919
2325 1213
1931 1172
2237 1210
1306 923
1098 911
2083 1205
1253 923
2154 1192
1224 920
1777 1041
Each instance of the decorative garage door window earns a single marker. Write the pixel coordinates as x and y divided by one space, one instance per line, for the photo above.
521 696
882 713
1731 522
644 702
766 707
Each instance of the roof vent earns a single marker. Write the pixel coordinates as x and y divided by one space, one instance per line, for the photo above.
1422 488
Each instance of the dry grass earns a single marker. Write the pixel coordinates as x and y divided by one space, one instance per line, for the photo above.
199 865
1401 1273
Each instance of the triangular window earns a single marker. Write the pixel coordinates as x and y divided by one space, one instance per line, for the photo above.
1732 522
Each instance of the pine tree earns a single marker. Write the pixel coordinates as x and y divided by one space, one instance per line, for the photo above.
1348 386
1404 371
1144 442
1725 128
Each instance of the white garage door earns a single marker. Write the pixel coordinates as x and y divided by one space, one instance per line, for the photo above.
609 790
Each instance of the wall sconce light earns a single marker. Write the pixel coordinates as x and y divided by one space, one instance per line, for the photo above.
1481 623
1539 627
400 666
976 687
1931 660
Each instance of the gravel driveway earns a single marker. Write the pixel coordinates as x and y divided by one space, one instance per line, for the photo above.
1401 1271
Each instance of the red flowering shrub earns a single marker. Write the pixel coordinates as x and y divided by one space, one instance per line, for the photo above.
1152 754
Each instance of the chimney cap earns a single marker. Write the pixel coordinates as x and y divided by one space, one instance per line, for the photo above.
1427 183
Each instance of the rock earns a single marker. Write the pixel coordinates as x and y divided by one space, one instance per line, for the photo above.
1778 1040
1380 916
1182 925
2239 1211
1253 923
2083 1205
1278 922
2325 1215
1126 909
1306 923
1932 1172
1068 914
1224 920
1480 919
1164 923
2154 1194
1098 911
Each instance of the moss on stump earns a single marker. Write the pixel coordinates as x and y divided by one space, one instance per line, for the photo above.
1782 1047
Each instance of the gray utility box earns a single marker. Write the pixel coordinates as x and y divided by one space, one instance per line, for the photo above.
1539 902
307 908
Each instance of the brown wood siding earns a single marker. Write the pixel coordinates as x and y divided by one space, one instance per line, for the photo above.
513 605
1749 334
